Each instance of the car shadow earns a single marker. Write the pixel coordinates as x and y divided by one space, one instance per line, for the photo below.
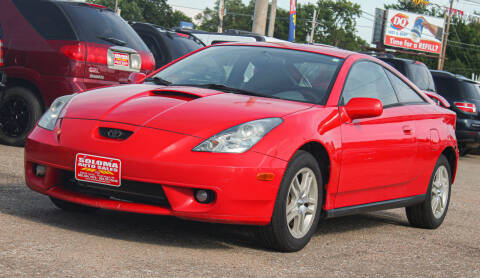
19 201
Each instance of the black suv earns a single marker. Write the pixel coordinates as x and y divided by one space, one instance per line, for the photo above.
463 95
166 45
416 71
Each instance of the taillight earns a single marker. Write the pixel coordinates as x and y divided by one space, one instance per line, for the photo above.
466 107
2 54
97 54
74 51
148 62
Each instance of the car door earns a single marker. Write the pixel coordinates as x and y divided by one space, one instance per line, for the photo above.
377 153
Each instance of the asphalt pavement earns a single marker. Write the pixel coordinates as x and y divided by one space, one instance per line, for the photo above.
39 240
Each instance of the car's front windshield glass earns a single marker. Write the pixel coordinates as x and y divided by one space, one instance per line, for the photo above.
271 72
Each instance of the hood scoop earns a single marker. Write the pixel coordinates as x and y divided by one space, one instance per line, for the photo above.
175 95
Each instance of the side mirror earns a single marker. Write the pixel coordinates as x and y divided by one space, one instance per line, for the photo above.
438 99
362 107
136 77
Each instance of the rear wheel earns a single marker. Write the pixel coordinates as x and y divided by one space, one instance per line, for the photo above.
19 111
431 213
297 207
68 206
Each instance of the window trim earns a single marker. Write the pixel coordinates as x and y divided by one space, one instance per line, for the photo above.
361 60
398 97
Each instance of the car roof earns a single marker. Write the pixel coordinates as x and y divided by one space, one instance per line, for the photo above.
320 49
442 73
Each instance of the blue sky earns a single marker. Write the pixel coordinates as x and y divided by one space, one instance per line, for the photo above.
364 24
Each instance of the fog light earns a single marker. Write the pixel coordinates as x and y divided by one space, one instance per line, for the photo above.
40 170
204 196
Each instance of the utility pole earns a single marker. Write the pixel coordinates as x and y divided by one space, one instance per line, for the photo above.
441 59
271 22
314 24
116 6
260 17
221 10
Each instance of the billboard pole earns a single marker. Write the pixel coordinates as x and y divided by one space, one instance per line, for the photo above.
260 17
271 22
441 59
293 20
221 10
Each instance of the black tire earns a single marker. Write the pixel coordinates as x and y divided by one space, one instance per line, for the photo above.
19 111
68 206
422 215
276 234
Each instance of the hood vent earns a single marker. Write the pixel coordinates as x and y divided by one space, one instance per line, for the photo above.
114 133
176 95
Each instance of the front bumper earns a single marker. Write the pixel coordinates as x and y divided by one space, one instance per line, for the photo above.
162 158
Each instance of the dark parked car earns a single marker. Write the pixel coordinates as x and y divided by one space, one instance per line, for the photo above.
54 48
416 71
166 45
463 95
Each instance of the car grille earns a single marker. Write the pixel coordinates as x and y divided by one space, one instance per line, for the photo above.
129 191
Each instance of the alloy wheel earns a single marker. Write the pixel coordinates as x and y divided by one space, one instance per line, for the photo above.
302 201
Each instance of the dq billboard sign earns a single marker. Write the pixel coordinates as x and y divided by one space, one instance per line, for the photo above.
413 31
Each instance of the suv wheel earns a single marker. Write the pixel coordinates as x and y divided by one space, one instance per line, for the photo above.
19 111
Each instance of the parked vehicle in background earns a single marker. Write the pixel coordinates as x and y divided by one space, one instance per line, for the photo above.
53 48
3 81
277 136
416 71
166 45
463 94
231 35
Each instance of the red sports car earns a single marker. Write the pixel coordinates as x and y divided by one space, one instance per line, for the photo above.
274 135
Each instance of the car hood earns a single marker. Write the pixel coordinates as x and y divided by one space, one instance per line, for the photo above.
188 110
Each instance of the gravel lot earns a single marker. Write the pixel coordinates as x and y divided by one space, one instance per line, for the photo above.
36 239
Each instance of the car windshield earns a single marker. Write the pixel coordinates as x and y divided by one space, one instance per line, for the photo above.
270 72
114 30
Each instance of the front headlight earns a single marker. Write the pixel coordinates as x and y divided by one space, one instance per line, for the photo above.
240 138
49 119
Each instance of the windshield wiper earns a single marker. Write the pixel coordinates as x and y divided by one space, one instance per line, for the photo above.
158 81
224 88
113 40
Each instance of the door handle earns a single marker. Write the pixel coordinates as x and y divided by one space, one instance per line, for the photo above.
407 130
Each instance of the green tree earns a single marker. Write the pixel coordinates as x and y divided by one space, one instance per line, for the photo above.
152 11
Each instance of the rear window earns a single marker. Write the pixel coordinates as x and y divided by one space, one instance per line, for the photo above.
182 44
420 76
454 89
47 18
92 24
469 90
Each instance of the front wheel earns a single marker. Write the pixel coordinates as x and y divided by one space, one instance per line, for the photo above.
297 207
431 213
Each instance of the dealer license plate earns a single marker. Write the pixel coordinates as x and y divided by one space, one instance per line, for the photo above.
121 59
98 169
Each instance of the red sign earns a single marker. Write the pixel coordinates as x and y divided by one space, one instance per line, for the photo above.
399 21
423 45
293 6
121 59
98 169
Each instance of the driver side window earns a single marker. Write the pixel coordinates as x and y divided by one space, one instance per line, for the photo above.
367 79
